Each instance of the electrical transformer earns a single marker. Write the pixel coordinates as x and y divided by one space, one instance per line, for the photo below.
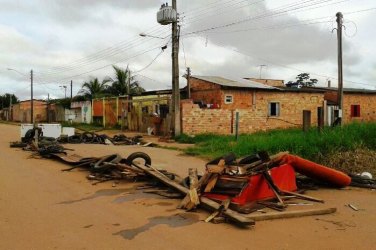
166 15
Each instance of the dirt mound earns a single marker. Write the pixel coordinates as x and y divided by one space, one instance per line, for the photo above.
354 162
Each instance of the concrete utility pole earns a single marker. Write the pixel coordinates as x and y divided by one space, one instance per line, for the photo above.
31 100
10 107
340 72
48 108
129 90
188 82
71 89
175 74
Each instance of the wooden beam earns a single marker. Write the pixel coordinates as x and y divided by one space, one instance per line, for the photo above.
291 214
212 205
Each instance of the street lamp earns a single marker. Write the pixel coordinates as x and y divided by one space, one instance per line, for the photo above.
146 35
31 93
65 90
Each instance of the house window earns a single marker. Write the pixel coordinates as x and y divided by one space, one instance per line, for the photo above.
273 109
228 99
355 110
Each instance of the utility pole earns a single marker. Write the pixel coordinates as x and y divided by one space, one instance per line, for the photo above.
340 72
188 82
10 107
129 90
175 73
48 108
31 100
71 89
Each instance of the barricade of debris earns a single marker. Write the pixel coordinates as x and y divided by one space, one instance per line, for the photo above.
91 137
86 137
235 190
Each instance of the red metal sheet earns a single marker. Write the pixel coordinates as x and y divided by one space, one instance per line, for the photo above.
258 189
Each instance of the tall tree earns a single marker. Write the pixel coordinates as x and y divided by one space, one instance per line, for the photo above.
302 80
119 85
94 89
5 100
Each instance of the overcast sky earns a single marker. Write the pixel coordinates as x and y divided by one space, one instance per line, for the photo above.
64 40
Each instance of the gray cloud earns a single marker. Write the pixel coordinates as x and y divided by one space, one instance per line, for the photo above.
267 39
58 33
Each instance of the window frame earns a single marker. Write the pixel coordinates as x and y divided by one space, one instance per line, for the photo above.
355 110
232 99
277 109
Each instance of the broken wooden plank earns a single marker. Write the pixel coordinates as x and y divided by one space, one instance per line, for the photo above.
194 196
191 200
216 169
211 183
193 177
303 197
353 207
291 214
212 205
212 216
274 159
224 205
184 202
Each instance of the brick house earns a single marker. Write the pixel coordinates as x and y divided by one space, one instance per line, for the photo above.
261 105
358 104
21 112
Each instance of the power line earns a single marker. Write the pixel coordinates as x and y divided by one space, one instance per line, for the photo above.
252 18
97 56
94 60
149 64
102 54
118 46
220 11
185 60
102 67
286 66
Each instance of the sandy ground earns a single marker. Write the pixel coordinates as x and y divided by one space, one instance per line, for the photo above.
44 208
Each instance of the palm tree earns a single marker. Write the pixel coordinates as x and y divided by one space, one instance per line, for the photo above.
120 86
94 88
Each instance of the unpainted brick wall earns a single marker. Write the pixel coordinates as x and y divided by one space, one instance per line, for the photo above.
254 115
367 104
207 92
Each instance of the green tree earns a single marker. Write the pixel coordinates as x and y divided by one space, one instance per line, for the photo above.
94 89
5 100
302 80
119 85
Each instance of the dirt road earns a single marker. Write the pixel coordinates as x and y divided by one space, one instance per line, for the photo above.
44 208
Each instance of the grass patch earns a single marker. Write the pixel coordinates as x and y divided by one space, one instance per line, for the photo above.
311 145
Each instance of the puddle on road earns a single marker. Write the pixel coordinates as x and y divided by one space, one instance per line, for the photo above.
100 193
177 220
136 195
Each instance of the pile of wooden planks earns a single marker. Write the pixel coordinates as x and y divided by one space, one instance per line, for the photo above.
137 166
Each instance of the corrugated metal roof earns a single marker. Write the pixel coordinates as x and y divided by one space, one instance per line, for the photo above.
237 83
348 90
